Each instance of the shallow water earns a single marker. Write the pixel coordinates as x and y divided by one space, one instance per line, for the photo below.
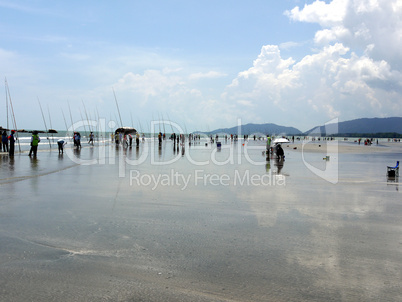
114 224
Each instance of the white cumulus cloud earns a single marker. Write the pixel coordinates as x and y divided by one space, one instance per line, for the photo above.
353 72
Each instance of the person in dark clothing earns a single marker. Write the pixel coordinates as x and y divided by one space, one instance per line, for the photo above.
12 142
279 151
4 141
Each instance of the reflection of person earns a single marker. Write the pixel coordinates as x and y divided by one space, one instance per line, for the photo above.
12 142
279 164
4 141
60 144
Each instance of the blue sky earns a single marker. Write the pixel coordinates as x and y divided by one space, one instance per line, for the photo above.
203 64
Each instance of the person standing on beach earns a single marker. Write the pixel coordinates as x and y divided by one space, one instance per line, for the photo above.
12 142
91 138
35 139
268 144
4 141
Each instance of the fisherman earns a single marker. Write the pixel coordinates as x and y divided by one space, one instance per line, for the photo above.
4 141
137 139
91 138
12 142
35 139
130 139
60 144
268 144
160 138
77 139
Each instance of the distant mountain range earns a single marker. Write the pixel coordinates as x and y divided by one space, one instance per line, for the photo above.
357 126
256 128
360 126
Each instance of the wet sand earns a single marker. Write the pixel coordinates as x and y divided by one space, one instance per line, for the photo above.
240 229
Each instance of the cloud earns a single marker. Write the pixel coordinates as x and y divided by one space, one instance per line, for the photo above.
320 12
334 82
353 72
207 75
288 45
357 24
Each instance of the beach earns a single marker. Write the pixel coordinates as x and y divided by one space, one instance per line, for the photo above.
198 223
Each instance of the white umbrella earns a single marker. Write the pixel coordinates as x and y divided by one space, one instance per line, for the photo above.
281 140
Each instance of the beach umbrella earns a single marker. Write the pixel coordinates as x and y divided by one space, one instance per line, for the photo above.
281 140
52 131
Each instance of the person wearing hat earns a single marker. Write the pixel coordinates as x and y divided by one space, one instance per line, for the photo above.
12 142
35 139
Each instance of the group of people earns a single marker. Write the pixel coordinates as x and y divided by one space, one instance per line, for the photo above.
280 154
8 142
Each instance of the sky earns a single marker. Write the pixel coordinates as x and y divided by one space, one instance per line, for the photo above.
201 64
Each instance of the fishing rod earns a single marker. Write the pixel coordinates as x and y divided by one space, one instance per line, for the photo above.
96 115
51 127
139 123
85 128
152 135
163 123
71 117
44 121
64 121
5 87
99 128
12 111
159 122
170 122
118 110
86 114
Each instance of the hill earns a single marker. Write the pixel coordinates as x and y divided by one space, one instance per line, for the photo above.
250 129
360 126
